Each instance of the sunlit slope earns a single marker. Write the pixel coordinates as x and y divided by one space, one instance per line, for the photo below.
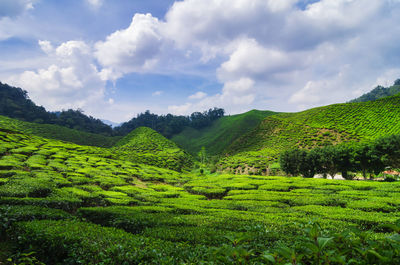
221 133
57 132
315 127
144 145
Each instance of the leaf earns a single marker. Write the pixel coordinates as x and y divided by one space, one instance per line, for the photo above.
323 241
269 257
376 254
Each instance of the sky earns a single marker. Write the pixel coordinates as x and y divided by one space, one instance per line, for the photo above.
117 58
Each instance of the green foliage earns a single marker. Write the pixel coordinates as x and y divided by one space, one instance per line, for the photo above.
220 134
169 125
74 204
144 145
365 157
318 127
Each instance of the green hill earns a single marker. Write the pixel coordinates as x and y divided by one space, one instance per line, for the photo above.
144 145
68 204
379 92
58 132
221 133
315 127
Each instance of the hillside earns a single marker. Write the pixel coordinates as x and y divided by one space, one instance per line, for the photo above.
144 145
315 127
64 203
58 132
221 133
379 92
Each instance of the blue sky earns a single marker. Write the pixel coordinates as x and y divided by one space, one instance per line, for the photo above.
117 58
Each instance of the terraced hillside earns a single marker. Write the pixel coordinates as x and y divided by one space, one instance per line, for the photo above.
221 133
144 145
72 204
58 132
315 127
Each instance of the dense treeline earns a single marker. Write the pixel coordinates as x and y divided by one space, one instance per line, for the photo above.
379 92
15 103
370 158
169 124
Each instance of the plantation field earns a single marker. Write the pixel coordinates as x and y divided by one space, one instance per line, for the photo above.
74 204
322 126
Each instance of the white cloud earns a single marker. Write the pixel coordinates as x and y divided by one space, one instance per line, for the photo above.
264 53
198 95
71 81
95 3
157 93
133 49
12 8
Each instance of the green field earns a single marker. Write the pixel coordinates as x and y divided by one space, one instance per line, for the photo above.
73 204
260 148
217 137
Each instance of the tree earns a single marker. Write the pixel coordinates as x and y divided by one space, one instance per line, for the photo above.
202 155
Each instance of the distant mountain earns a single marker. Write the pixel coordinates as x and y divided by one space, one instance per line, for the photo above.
379 92
347 122
221 133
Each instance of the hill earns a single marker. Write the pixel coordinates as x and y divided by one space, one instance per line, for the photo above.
144 145
379 92
67 204
58 132
220 134
321 126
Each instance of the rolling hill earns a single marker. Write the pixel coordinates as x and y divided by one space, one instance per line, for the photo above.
221 133
62 203
144 145
258 149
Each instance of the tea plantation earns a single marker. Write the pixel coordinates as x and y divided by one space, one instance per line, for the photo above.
317 127
62 203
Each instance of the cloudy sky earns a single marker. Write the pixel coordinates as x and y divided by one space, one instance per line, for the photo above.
117 58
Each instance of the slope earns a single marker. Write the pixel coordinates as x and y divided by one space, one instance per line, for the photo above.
221 133
58 132
144 145
315 127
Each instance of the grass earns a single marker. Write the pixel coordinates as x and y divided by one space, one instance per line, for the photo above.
217 137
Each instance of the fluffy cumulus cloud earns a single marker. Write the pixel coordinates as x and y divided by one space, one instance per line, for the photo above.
282 55
276 53
71 81
134 49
